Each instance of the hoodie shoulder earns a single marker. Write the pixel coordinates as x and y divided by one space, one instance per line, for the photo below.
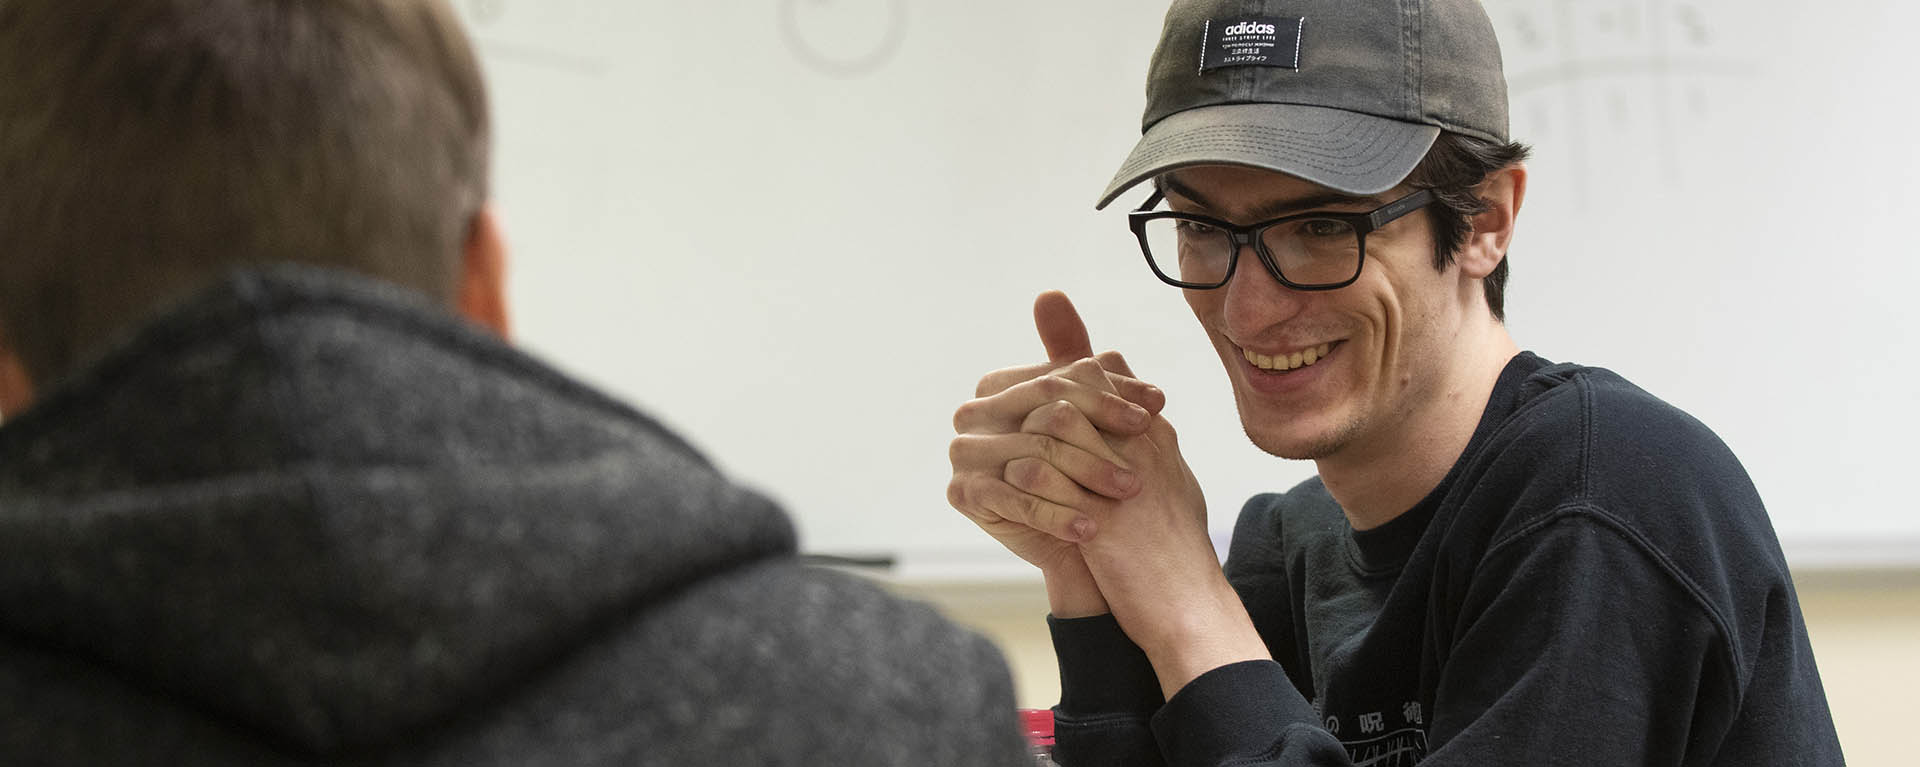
776 663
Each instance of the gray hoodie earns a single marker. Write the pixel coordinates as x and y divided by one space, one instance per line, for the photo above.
306 518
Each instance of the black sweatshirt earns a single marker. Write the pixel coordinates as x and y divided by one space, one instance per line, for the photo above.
1594 582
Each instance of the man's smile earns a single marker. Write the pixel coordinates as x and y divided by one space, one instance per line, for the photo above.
1285 361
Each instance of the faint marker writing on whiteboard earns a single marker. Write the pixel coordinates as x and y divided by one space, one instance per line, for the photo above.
1579 69
843 38
486 12
523 34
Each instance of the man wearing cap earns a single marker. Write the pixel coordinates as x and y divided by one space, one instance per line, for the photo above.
1503 560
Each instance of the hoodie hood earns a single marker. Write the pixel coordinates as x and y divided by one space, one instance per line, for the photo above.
320 507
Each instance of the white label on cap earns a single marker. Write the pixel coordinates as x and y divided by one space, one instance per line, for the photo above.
1251 41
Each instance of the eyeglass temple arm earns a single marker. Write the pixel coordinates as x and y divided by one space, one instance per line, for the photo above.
1398 208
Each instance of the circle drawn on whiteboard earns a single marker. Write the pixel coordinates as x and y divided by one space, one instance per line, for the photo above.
844 38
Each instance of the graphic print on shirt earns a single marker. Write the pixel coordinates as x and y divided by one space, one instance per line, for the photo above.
1375 746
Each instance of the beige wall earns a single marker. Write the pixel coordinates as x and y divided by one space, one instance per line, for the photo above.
1866 637
1865 629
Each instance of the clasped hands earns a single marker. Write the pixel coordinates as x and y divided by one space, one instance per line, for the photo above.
1069 465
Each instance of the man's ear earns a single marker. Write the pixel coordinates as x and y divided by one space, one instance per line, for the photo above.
483 274
1486 245
16 390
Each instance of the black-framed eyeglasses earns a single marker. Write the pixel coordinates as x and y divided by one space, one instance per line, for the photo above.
1306 251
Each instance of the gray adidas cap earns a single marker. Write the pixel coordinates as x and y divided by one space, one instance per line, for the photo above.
1348 94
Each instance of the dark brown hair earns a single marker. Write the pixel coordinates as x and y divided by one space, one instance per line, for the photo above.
1454 168
148 145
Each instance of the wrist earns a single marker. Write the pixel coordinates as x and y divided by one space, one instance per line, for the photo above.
1072 592
1216 631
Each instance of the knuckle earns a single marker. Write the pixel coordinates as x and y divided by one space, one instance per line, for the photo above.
1059 415
1051 386
958 450
1031 510
1026 473
1086 368
967 496
957 495
967 414
1037 421
1047 449
1004 378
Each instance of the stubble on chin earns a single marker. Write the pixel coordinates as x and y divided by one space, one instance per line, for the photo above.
1312 450
1306 447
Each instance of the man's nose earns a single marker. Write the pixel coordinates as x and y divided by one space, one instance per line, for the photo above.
1255 299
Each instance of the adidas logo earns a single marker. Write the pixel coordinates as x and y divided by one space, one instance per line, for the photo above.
1248 28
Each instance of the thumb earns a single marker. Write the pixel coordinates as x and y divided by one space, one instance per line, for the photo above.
1061 330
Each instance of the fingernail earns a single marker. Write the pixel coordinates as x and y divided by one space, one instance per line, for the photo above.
1139 415
1082 529
1126 480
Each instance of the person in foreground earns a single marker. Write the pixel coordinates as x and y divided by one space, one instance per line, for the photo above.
1503 560
273 490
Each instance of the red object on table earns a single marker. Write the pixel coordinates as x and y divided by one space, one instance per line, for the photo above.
1038 723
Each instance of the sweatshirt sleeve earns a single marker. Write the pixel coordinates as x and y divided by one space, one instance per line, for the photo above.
1243 713
1108 694
1110 710
1576 645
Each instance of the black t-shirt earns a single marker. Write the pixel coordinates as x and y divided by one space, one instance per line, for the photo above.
1594 582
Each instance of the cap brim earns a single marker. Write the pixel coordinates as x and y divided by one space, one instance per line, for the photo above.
1345 151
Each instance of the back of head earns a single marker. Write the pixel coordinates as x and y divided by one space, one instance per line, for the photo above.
149 145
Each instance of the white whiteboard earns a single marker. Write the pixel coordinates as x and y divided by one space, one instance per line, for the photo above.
799 230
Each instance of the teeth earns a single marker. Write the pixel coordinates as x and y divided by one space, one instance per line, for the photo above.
1297 359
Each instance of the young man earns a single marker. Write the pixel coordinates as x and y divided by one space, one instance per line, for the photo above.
267 498
1503 560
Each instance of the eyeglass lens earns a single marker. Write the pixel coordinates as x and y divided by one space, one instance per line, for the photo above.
1309 252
